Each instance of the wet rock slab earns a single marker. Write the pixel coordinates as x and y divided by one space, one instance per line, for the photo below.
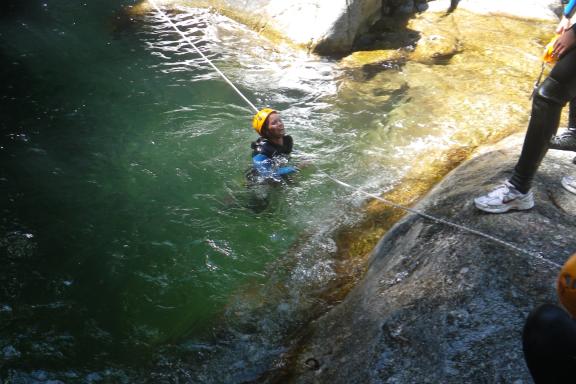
325 27
440 305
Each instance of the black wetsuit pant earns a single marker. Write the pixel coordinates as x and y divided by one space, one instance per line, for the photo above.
572 114
554 92
549 342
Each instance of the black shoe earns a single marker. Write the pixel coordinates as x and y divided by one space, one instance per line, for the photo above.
566 141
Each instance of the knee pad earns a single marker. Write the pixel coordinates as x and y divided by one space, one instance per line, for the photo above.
552 90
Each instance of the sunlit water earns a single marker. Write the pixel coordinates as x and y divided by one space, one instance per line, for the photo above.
129 249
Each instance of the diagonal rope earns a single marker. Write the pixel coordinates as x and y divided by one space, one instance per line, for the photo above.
446 222
187 39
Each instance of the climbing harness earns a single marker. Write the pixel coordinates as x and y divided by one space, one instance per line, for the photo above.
356 189
547 58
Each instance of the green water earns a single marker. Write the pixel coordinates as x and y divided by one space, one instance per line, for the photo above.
124 211
129 253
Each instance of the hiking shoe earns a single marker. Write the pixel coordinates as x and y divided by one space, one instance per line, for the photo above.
566 141
569 184
505 198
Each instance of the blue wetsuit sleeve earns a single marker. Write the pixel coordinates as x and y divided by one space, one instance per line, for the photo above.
285 170
263 165
570 8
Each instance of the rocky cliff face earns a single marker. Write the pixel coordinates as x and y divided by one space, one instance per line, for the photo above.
441 305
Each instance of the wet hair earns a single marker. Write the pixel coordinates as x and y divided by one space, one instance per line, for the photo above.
264 129
265 125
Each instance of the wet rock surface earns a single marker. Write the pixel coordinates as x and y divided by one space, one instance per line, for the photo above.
336 27
325 27
441 305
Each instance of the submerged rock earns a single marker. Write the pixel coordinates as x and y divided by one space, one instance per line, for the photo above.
441 305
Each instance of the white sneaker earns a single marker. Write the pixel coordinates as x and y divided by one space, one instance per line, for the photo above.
569 183
505 198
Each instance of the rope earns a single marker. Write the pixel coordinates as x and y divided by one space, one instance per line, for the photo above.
187 39
445 222
339 182
537 83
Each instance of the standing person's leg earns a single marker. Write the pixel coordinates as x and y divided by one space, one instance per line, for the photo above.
546 109
566 141
551 96
453 6
572 114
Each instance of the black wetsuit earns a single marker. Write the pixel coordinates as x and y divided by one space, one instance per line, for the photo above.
549 342
270 167
269 160
549 99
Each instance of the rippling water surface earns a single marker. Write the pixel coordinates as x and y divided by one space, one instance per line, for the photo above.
128 247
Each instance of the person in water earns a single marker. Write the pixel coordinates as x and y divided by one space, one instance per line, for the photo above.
549 99
549 336
270 160
271 151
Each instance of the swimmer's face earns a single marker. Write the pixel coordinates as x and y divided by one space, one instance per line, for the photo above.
275 126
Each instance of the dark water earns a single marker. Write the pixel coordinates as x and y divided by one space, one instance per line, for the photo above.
126 243
128 247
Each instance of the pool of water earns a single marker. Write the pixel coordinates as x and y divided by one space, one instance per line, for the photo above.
129 245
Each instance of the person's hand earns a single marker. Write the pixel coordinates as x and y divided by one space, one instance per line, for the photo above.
566 41
563 25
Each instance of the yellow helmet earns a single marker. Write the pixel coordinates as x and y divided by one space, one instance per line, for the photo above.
260 118
567 285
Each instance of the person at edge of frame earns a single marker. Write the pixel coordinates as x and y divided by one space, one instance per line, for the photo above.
549 335
549 99
566 141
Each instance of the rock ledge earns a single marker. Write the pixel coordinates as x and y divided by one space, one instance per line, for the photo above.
439 305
